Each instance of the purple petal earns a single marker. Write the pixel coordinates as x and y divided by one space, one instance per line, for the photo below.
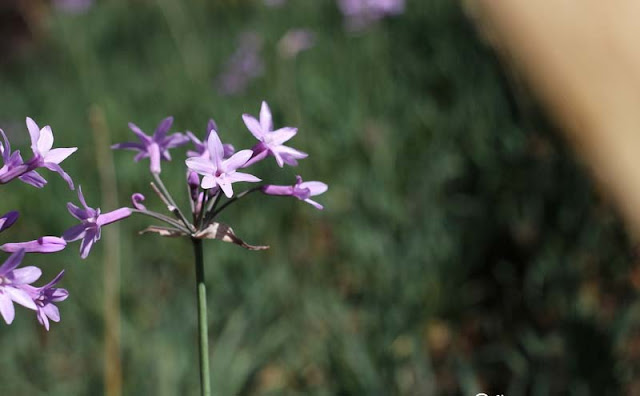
33 178
200 165
25 275
211 126
266 121
241 177
154 156
34 132
315 187
52 312
216 151
162 129
175 140
58 155
8 219
45 141
56 168
253 126
128 146
80 214
21 297
286 150
54 281
281 135
87 242
226 188
270 189
6 306
314 203
113 216
11 263
136 200
47 244
228 150
208 182
74 233
59 295
43 319
141 135
260 152
237 160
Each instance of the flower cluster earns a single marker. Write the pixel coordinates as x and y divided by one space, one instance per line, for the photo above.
213 168
16 284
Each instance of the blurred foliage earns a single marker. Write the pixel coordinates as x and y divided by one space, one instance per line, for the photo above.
462 248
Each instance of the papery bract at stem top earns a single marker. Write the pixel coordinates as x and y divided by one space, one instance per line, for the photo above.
271 142
155 147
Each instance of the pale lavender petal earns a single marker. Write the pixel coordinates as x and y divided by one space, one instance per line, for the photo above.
266 122
56 168
226 188
281 135
237 160
25 275
270 189
228 150
175 140
8 219
286 150
162 129
260 152
201 165
59 295
6 307
315 187
241 177
74 233
21 297
113 216
253 126
80 214
208 182
45 141
58 155
211 126
11 263
42 318
34 132
314 203
52 312
216 151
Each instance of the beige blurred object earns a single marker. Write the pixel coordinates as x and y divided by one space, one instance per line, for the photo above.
582 58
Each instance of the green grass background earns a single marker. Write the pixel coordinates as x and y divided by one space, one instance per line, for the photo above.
462 248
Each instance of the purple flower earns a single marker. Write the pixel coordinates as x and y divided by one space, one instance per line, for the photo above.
155 147
361 13
201 147
91 222
12 283
7 219
244 65
44 297
44 155
220 172
301 190
46 244
14 167
73 6
271 142
136 200
295 41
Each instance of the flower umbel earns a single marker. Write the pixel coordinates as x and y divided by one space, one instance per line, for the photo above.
220 172
91 222
155 147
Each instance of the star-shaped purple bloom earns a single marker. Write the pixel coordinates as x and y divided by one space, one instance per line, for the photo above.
301 190
91 222
44 155
12 283
220 172
155 147
44 298
14 167
271 142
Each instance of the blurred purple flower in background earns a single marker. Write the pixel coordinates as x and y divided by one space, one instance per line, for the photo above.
45 244
271 142
295 41
73 6
361 13
44 297
12 282
244 65
220 172
155 147
89 230
301 190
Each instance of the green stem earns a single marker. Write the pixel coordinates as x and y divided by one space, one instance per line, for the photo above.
205 381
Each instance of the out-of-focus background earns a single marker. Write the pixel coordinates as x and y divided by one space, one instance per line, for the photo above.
462 248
